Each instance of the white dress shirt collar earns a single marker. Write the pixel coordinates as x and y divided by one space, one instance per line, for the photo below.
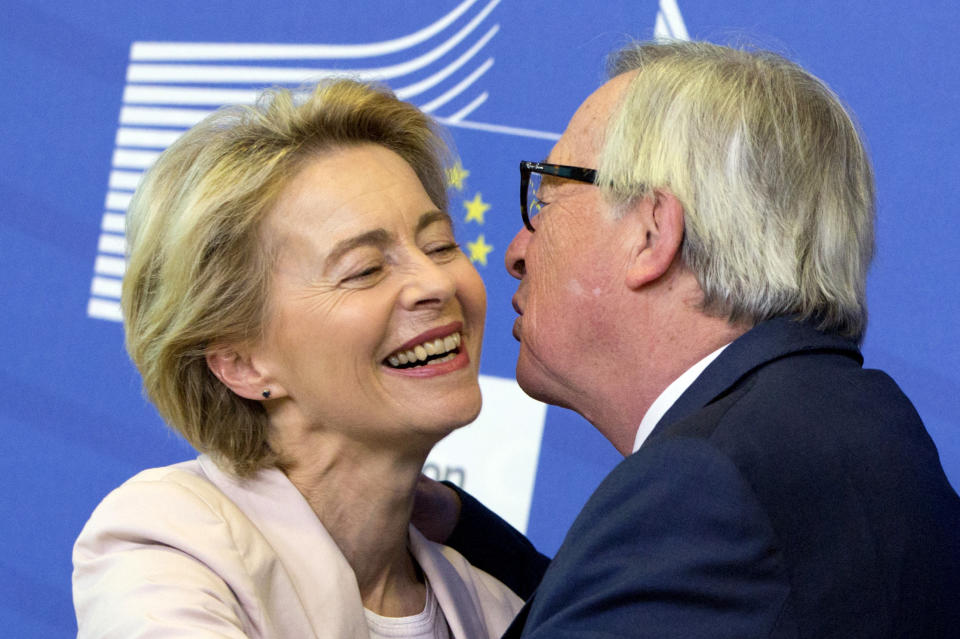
671 394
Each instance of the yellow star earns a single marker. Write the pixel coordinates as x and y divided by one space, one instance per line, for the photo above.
456 174
476 208
479 250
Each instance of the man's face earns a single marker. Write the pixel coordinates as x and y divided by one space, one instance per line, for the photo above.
571 270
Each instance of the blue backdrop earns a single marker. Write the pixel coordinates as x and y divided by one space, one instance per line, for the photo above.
85 109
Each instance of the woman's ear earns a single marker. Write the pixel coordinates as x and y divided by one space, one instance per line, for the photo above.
661 218
240 373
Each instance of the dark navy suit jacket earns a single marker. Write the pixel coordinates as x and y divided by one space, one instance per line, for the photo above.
787 493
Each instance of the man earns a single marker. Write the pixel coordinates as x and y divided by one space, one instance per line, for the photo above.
699 299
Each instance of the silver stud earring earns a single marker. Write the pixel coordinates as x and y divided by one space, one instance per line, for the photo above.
266 393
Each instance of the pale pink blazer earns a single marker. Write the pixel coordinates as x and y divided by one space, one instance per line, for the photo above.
191 551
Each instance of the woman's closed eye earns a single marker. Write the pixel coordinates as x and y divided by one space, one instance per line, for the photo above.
442 250
364 274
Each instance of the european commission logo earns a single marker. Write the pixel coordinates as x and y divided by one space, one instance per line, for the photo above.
170 86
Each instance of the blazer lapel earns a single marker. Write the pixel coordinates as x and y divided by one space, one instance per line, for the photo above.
516 627
321 576
459 603
472 609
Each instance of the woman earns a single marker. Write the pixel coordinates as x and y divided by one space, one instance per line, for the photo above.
300 311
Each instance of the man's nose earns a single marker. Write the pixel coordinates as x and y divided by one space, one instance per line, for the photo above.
514 259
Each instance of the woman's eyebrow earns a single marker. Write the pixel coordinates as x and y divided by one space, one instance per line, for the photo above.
432 217
381 238
378 238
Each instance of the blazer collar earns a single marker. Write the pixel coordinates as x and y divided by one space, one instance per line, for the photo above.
324 580
765 342
456 593
325 583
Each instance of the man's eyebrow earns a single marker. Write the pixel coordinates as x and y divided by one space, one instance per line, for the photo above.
378 238
432 217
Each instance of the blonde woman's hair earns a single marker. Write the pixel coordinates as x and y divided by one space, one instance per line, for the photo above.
198 270
775 182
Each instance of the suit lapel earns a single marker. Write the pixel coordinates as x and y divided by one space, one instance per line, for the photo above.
765 342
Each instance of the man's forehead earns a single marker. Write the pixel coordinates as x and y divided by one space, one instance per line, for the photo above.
582 141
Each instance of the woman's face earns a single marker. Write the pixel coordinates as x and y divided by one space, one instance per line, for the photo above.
368 275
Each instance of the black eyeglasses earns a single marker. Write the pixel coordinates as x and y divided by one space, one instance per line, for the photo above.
530 176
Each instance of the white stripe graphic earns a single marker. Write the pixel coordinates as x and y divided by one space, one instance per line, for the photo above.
436 103
109 243
118 200
162 116
113 222
287 75
149 94
146 138
127 159
465 111
106 287
257 51
125 180
106 265
405 93
669 24
104 309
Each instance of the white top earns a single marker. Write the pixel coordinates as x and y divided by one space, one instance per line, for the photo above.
191 551
429 624
669 396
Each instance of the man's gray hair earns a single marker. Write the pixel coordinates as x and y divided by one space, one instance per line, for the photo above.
774 180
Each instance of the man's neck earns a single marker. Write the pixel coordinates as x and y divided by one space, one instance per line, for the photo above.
646 370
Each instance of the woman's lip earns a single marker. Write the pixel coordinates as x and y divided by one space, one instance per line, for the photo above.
430 335
462 360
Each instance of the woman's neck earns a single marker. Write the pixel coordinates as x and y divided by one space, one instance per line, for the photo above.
364 496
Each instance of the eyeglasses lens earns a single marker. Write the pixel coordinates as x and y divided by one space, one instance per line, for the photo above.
533 203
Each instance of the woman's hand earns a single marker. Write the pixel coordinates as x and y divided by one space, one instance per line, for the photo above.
436 509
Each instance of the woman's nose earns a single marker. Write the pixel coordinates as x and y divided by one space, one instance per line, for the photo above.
515 257
428 284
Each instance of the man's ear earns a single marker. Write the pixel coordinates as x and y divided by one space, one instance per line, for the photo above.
241 373
662 219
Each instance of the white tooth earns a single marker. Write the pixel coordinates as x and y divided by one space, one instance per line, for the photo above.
430 347
438 345
411 356
394 360
421 352
458 338
440 360
403 358
449 343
